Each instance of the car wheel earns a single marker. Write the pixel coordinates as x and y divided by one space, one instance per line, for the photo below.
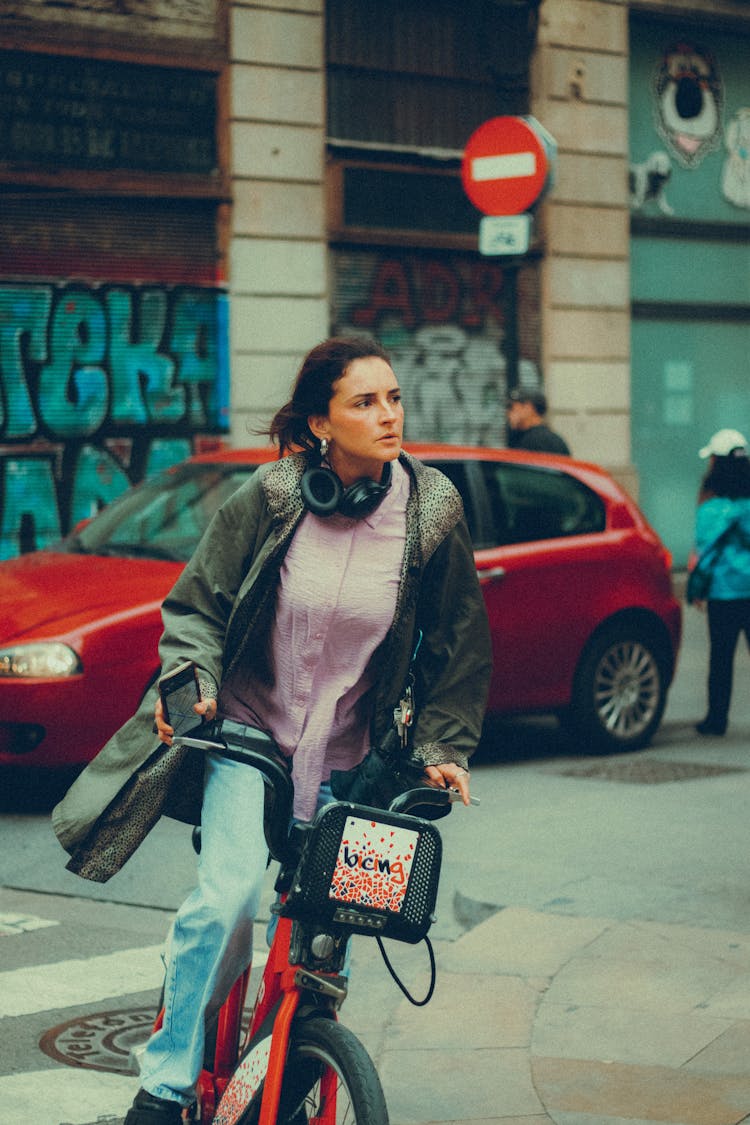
620 691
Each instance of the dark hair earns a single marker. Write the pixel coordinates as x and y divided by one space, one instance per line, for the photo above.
728 476
314 386
538 399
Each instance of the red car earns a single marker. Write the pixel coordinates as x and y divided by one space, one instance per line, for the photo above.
577 585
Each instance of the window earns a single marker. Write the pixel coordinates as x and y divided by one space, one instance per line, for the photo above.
423 73
67 118
529 504
408 82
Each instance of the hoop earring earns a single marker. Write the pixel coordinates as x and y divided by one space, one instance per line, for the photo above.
323 447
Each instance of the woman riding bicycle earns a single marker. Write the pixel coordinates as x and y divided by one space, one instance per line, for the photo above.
302 606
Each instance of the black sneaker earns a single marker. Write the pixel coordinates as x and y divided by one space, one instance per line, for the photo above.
147 1109
708 727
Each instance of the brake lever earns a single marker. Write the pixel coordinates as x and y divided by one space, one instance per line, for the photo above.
180 740
455 796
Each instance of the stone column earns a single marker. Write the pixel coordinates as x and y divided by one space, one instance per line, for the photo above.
277 241
580 94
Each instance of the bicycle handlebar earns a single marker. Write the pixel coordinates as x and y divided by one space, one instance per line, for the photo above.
262 753
273 768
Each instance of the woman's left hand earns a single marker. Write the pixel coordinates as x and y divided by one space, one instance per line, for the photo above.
450 775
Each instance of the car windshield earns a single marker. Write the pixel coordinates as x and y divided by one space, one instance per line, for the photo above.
162 518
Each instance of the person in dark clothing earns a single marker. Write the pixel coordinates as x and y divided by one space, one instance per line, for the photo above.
526 425
723 517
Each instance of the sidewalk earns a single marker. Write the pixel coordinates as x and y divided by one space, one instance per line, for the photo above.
582 1018
540 1017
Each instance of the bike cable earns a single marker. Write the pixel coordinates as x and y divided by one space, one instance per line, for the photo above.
400 983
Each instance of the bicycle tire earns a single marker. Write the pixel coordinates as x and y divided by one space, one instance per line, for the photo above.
316 1045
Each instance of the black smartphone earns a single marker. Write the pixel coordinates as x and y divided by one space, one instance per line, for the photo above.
180 691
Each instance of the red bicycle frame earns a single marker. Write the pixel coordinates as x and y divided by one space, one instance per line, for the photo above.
282 985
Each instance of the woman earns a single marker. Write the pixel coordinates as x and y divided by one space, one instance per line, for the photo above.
302 607
724 514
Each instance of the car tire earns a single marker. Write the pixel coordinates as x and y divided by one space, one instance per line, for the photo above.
620 690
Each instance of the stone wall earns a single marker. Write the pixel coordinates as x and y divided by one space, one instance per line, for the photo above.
279 284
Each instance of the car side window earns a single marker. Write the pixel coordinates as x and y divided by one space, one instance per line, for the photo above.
529 503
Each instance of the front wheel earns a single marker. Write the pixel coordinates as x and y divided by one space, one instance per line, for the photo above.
620 691
329 1078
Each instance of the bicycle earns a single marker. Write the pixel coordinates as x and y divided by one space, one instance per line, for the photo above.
295 1064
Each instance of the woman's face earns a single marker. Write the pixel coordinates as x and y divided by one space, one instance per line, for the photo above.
365 421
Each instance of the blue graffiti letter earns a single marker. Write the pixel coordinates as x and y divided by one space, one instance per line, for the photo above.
72 394
24 311
139 364
98 479
29 508
194 343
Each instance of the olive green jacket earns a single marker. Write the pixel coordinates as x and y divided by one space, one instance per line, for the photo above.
219 613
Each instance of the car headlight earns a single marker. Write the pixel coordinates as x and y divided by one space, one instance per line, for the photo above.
44 658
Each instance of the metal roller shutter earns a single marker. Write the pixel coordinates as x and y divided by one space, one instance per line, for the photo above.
113 352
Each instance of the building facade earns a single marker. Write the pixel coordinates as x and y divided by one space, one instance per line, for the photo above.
186 211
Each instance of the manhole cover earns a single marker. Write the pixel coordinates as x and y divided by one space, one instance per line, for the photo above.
642 771
100 1042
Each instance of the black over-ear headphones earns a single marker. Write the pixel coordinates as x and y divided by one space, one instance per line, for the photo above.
323 493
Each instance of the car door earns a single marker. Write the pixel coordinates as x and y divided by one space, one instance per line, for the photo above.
540 555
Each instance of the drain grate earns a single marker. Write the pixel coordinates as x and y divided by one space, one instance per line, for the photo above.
100 1042
644 771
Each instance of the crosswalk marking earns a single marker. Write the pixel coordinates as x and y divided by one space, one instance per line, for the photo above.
64 1096
11 924
66 984
69 984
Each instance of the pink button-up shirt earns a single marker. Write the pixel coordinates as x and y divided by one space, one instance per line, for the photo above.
336 601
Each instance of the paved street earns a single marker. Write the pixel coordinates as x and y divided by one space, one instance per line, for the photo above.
593 944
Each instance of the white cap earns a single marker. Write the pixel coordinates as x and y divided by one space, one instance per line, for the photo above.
722 444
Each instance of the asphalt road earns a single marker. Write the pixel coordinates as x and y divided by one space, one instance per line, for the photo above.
658 836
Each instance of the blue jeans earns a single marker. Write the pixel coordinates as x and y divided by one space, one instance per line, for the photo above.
212 934
211 939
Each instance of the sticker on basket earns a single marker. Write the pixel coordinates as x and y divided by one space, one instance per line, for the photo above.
373 864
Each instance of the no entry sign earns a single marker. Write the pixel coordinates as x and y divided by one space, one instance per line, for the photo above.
507 164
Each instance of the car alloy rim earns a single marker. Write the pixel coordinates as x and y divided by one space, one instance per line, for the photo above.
627 688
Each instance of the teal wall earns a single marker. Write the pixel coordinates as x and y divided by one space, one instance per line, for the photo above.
690 263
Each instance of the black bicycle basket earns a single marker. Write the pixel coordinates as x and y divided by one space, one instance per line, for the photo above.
368 872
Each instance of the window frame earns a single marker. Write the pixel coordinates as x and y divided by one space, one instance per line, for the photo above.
342 232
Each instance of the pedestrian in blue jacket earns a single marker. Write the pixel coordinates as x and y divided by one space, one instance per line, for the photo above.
724 513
